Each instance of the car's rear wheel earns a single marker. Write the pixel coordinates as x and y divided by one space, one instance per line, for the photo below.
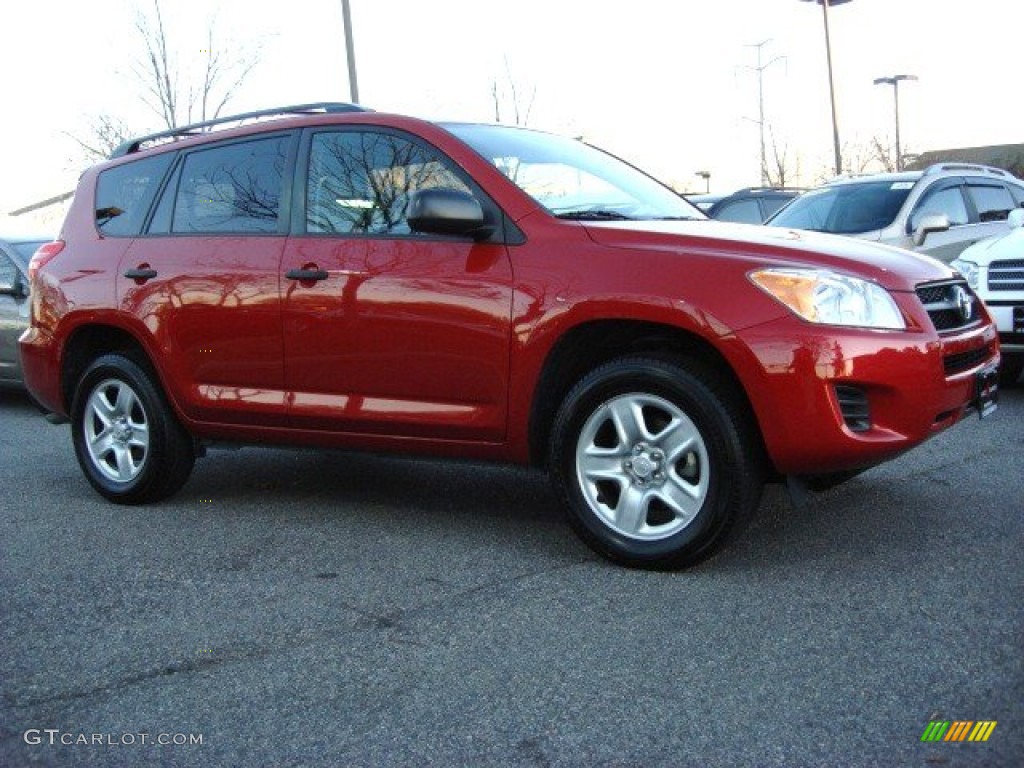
656 462
128 442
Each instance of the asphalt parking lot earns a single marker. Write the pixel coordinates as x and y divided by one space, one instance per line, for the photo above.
305 609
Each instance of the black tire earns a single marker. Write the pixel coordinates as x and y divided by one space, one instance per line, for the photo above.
712 453
1010 371
128 442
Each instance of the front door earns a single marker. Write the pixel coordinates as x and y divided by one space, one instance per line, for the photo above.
387 331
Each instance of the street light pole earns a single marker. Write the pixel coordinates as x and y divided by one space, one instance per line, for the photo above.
706 175
353 85
760 68
825 4
894 81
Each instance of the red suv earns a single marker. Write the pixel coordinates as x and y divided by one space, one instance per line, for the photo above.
328 276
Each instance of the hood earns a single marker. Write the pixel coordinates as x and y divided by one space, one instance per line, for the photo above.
893 268
1008 246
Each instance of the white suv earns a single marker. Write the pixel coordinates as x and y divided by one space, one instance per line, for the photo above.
938 211
994 268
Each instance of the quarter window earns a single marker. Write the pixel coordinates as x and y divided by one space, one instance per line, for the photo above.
1018 194
360 181
231 188
124 194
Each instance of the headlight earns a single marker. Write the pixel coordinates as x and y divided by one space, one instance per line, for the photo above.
830 298
968 269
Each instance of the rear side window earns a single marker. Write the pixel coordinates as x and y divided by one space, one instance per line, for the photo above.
743 211
992 201
231 188
124 194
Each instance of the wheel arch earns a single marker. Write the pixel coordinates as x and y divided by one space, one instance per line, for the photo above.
88 342
588 345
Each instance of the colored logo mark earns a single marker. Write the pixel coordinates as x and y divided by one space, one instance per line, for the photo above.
958 730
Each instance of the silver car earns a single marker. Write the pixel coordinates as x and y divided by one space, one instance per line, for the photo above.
15 253
938 212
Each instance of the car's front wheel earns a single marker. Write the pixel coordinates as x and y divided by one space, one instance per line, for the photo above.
656 462
128 442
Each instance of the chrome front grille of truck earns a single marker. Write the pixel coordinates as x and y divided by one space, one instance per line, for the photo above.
1006 275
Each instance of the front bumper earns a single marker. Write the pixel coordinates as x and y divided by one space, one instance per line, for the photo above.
832 399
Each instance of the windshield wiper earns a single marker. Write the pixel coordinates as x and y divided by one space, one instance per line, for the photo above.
595 214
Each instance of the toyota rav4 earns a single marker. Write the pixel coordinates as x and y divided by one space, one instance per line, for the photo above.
326 276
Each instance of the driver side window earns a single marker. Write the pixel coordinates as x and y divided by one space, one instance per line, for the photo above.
949 201
360 181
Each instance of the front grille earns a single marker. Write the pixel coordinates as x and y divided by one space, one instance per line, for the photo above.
952 306
853 405
964 361
1006 275
932 294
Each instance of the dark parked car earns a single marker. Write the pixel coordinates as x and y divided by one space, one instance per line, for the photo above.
15 252
753 205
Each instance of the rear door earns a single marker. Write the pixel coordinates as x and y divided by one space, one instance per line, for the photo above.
388 331
205 279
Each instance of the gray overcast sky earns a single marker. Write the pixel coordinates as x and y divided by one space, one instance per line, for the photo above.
662 83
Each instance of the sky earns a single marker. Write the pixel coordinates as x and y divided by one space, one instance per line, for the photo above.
668 85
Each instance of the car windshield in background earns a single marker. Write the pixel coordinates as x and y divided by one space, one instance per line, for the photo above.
571 179
846 209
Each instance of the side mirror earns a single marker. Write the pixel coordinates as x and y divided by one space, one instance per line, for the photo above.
447 212
1016 218
930 222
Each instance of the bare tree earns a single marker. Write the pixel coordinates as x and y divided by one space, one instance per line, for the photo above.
105 134
776 170
509 94
884 153
176 93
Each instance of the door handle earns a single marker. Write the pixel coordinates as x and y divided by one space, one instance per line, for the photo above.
306 274
140 273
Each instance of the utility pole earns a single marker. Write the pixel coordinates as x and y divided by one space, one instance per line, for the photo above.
825 5
760 68
353 85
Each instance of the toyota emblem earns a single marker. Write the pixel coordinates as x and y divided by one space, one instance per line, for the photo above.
964 302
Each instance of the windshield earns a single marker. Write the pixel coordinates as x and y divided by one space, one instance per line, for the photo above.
571 179
846 209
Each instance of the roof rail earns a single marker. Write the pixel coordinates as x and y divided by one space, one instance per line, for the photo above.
975 167
134 145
